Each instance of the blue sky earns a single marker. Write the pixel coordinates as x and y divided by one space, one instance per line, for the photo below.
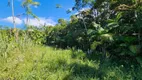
47 12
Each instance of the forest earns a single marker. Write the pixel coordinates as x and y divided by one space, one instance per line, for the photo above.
101 42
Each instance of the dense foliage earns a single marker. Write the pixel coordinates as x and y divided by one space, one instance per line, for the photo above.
111 27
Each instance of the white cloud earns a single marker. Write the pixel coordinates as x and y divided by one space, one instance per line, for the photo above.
18 21
31 21
40 22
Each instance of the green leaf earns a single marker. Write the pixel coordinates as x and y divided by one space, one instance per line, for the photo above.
106 37
95 44
135 49
139 60
119 15
35 3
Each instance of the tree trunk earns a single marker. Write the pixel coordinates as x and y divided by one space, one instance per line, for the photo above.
27 22
14 24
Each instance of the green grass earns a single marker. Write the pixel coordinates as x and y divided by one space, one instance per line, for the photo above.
27 61
24 60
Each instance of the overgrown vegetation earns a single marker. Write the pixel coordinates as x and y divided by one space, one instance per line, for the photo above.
103 42
26 60
111 27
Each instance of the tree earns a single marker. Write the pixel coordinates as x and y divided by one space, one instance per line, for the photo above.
12 7
110 26
62 22
27 4
13 16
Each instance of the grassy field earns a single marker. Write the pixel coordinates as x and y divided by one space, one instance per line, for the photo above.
27 61
24 60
